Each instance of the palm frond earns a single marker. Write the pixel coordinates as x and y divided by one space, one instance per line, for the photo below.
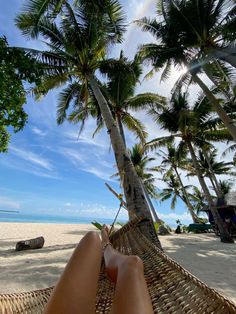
173 202
99 127
65 99
159 142
183 81
229 150
150 25
34 11
135 126
144 100
167 71
49 82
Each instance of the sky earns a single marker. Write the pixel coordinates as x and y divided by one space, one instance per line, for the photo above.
48 169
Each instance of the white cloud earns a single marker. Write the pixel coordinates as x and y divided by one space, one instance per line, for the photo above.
32 158
68 204
9 203
73 155
31 169
100 211
99 173
38 131
85 161
173 216
86 138
90 209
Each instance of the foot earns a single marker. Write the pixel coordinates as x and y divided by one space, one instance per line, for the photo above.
104 235
109 255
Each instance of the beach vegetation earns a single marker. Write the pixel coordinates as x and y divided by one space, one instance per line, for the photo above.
16 70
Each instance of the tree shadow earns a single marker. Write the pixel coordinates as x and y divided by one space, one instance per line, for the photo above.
207 258
33 269
44 250
78 232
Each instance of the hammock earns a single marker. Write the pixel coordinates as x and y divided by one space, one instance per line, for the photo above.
171 287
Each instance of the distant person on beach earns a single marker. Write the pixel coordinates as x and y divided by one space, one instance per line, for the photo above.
75 292
178 229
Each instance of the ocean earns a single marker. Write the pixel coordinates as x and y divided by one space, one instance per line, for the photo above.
36 218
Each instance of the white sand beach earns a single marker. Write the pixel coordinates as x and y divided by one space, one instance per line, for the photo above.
203 255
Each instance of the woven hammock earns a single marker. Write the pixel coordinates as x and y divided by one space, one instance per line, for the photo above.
171 287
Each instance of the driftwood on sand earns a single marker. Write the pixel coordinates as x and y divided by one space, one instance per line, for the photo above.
36 243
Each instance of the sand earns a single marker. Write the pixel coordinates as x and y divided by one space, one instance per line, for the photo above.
203 255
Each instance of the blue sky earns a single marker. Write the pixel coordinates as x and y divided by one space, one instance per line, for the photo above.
48 169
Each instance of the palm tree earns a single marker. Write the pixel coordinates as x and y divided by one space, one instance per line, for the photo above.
207 27
123 76
192 127
145 174
174 159
192 34
225 186
173 191
211 167
77 41
198 200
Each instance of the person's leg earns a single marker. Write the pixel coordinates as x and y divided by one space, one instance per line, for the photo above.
75 291
131 293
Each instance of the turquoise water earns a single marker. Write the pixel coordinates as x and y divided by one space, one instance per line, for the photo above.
34 218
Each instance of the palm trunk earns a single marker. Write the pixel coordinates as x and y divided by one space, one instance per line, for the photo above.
228 122
152 209
135 198
224 234
227 54
213 185
190 207
120 125
212 177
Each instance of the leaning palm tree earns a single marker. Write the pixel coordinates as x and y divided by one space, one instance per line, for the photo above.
173 159
193 127
193 34
77 40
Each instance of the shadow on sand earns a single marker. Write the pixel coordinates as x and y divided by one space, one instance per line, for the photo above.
32 268
206 257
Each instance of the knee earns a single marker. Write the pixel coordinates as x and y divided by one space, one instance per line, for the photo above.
133 262
92 236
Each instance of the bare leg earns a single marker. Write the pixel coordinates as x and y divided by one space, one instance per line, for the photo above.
131 294
75 291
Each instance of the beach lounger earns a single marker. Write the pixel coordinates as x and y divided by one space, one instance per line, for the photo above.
200 228
172 288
